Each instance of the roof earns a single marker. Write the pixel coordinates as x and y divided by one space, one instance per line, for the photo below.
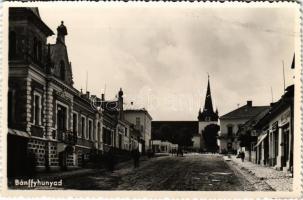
34 10
31 13
141 110
254 120
286 100
246 111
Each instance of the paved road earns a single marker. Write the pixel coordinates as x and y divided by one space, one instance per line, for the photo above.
191 172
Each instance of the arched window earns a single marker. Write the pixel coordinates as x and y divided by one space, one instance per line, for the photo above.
12 44
62 70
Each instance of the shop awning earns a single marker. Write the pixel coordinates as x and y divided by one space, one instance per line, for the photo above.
18 133
261 139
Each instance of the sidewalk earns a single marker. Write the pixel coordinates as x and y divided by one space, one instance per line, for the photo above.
277 180
66 174
84 171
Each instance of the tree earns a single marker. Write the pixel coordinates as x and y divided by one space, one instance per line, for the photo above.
210 134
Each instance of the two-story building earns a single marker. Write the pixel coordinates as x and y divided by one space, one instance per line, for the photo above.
142 122
230 124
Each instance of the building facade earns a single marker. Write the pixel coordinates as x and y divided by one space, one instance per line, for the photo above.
164 146
142 122
276 134
231 123
52 125
207 118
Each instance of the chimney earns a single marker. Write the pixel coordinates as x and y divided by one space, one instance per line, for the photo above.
249 103
87 94
102 97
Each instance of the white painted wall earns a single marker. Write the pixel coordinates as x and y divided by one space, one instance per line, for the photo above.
145 121
224 123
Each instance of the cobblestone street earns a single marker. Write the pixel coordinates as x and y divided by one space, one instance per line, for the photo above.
191 172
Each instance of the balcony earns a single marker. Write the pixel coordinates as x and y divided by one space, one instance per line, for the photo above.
67 137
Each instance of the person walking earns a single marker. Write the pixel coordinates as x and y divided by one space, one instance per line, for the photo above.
242 156
136 157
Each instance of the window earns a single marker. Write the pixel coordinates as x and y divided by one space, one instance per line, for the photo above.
83 126
90 130
37 109
75 123
62 70
11 106
229 130
61 118
12 44
125 131
138 121
107 138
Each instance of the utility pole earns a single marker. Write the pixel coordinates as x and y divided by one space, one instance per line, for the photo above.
86 81
272 96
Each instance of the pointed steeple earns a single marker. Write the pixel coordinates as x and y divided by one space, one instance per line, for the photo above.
208 114
208 105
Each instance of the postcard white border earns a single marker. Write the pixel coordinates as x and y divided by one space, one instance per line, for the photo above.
154 194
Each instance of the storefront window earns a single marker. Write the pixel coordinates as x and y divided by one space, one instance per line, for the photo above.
83 126
37 109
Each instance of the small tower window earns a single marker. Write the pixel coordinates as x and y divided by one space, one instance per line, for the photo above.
12 44
62 70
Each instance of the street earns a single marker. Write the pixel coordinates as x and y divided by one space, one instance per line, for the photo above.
170 173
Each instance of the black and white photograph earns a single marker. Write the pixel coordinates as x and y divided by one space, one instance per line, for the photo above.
153 97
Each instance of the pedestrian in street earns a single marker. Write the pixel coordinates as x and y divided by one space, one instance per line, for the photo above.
242 156
136 157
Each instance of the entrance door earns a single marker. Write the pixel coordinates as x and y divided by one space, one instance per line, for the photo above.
266 151
63 160
120 141
61 128
286 145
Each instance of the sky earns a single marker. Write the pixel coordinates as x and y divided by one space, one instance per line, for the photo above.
161 57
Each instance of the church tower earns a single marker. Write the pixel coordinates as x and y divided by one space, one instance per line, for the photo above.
208 114
206 117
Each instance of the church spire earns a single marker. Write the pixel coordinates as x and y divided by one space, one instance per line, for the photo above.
208 105
208 113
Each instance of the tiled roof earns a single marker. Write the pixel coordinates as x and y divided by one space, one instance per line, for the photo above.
254 120
245 111
286 100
